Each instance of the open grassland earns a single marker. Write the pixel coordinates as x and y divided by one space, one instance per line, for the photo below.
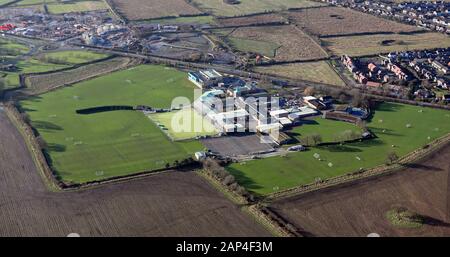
330 131
312 71
183 124
170 204
72 56
220 8
389 124
96 146
77 6
374 44
202 19
360 208
286 43
328 21
3 2
28 66
144 9
43 82
35 2
252 20
11 48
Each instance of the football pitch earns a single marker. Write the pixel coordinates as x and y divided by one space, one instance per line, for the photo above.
399 128
96 146
183 124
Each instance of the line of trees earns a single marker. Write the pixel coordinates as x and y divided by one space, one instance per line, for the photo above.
214 169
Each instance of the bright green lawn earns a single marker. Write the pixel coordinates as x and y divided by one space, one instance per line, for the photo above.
89 147
184 124
329 130
389 124
76 57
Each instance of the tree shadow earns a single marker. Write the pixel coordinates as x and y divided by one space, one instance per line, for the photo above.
339 148
434 222
244 180
45 125
56 148
421 166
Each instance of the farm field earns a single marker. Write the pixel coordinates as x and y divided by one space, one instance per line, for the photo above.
283 43
329 130
34 2
73 56
170 204
252 20
374 44
202 19
319 72
183 124
219 8
96 146
360 208
29 66
11 48
389 124
77 6
42 82
143 9
328 21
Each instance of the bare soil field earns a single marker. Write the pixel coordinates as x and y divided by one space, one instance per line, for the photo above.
236 145
169 204
320 72
326 21
360 208
145 9
374 44
292 43
252 20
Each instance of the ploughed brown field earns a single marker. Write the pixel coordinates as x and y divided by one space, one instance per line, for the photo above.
169 204
360 209
252 20
145 9
326 21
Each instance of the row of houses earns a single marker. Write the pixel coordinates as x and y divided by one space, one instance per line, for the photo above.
434 15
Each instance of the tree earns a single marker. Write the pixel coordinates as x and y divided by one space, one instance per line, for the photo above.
309 91
229 180
392 157
2 84
41 142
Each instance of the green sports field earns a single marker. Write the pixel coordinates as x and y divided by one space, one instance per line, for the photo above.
330 131
101 145
390 124
183 124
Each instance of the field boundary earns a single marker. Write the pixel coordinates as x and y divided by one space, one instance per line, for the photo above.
48 173
131 63
364 174
255 211
27 133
